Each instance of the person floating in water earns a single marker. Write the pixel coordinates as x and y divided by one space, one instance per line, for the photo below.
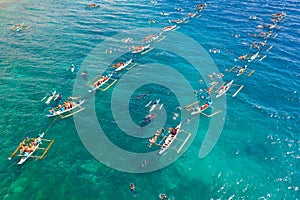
57 99
72 68
132 189
144 163
84 75
163 197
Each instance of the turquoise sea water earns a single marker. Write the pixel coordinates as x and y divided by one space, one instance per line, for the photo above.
257 155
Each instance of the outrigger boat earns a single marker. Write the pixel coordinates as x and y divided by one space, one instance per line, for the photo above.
194 110
122 65
191 15
155 104
94 85
93 5
241 70
279 15
140 48
19 27
253 57
28 152
178 21
200 109
59 111
171 137
169 28
224 89
151 38
97 84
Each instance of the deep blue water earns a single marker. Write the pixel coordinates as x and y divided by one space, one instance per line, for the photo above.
257 155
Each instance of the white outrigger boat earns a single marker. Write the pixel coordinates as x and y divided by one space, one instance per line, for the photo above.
151 38
35 142
140 48
169 140
100 82
169 28
241 70
123 65
155 104
200 109
253 57
195 109
224 89
177 21
35 147
59 111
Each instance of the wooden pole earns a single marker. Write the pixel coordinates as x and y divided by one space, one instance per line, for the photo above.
72 113
131 67
89 83
46 150
185 141
146 51
238 91
17 149
103 90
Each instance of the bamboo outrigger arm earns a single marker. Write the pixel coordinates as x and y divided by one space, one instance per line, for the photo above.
114 81
72 113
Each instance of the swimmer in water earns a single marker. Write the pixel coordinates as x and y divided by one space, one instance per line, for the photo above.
72 68
132 189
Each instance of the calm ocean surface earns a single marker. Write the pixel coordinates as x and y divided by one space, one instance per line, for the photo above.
257 155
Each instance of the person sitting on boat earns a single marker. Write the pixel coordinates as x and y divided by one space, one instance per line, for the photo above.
98 83
204 106
38 140
26 155
22 147
19 27
30 148
67 105
139 48
174 131
51 111
117 64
